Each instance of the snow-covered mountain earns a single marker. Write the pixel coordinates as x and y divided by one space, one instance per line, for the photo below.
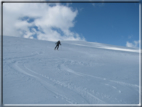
79 72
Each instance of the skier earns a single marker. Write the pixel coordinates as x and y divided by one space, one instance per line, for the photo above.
57 45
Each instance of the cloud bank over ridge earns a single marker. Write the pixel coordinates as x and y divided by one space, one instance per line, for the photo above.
134 44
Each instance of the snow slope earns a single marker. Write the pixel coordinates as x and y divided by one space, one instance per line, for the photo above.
78 73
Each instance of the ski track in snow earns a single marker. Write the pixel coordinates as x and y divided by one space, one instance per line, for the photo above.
89 98
28 56
37 77
83 93
118 82
82 74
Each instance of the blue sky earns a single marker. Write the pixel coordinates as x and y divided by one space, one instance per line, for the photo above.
108 23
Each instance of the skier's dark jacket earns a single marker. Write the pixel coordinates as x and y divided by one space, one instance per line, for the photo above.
58 43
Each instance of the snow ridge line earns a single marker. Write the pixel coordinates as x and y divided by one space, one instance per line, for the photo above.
109 47
75 88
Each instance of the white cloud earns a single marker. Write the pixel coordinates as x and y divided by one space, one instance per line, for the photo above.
45 17
134 44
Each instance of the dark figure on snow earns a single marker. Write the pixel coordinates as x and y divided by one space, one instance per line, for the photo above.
57 45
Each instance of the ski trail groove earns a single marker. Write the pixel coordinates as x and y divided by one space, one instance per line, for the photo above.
73 87
23 57
82 74
43 82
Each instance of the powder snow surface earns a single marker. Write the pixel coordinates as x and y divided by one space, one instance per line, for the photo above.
78 73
